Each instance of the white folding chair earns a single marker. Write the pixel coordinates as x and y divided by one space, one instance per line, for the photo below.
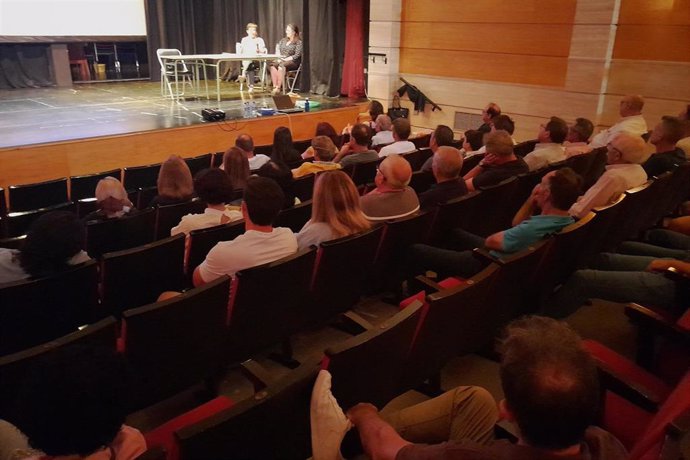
172 69
290 80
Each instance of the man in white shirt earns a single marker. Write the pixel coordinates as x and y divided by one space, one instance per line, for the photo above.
401 131
384 135
245 143
251 45
260 244
626 152
631 122
550 147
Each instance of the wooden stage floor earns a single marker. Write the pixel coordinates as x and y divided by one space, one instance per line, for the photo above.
48 133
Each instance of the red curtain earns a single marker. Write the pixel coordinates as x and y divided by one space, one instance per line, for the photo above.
353 68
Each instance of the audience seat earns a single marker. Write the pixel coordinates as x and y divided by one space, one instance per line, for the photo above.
14 242
18 223
3 202
469 164
456 213
295 217
421 141
218 159
202 241
596 168
364 173
136 177
581 163
661 202
135 277
174 344
421 181
143 196
301 146
36 311
303 187
85 186
523 148
198 163
418 157
679 186
121 233
86 206
169 216
493 217
626 225
39 195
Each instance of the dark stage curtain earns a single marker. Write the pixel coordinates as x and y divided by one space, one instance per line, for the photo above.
24 66
353 68
214 26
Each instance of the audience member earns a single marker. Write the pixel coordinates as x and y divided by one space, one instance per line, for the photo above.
73 406
236 166
283 149
442 136
684 144
498 164
392 198
497 123
245 143
112 200
55 241
369 117
631 122
213 187
324 153
664 138
551 389
545 212
488 113
261 243
401 131
323 128
473 143
550 149
625 154
576 142
175 183
335 212
282 175
384 131
447 163
357 149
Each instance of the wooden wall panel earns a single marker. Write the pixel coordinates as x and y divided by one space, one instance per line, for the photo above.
653 43
535 70
668 12
490 11
662 80
531 39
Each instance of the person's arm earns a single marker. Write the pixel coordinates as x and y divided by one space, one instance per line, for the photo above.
495 241
379 439
598 194
344 151
262 46
527 210
197 280
660 265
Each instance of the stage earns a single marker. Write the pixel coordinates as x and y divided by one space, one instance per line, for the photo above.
47 133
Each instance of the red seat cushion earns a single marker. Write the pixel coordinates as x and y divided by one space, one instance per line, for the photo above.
163 435
421 296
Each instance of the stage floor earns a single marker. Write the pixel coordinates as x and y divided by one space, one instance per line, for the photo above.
44 115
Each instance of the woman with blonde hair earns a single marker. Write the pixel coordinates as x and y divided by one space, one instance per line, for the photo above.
175 184
112 201
335 210
236 166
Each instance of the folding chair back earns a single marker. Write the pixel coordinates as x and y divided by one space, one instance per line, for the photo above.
494 201
198 163
202 241
136 177
295 217
421 181
39 195
364 173
418 157
303 187
457 213
169 216
18 223
523 148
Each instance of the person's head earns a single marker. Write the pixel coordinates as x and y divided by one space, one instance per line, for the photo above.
446 164
499 143
175 179
667 132
631 105
262 200
246 143
383 123
549 381
401 129
442 136
560 188
375 109
111 196
324 128
213 186
394 171
75 402
324 148
282 143
360 134
503 122
490 111
580 131
292 32
282 175
336 202
626 148
236 166
554 130
51 241
252 30
473 140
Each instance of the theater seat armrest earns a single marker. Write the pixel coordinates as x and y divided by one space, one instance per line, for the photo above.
483 254
634 392
155 453
652 323
256 374
357 320
422 283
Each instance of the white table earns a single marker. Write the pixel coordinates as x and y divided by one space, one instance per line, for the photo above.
214 60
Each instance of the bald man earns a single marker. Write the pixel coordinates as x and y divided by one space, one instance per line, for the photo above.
631 122
446 166
392 198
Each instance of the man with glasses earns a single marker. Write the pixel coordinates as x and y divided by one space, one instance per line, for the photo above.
626 152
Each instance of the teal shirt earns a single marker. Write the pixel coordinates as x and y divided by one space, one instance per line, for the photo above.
530 231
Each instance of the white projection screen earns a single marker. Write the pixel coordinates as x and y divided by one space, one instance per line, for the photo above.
68 18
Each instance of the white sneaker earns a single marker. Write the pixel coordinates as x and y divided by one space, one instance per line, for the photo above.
250 90
276 90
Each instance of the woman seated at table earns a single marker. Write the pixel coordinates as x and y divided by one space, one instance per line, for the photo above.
290 48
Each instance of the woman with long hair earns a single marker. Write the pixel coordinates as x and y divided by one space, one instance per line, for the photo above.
290 50
175 183
236 166
335 211
283 150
